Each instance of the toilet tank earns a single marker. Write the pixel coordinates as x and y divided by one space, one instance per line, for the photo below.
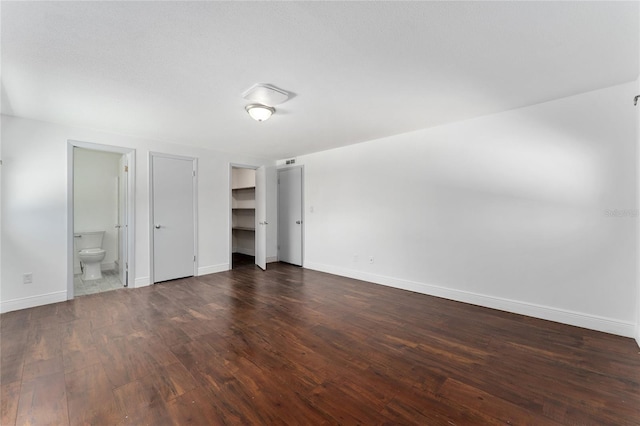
87 240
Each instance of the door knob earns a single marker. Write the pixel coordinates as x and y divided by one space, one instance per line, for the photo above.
298 222
157 226
118 226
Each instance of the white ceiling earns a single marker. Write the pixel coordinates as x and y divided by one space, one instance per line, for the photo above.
175 71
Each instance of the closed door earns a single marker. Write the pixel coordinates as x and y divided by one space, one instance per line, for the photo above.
261 218
173 184
290 215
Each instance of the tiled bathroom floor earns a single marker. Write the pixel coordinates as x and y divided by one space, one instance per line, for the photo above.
108 282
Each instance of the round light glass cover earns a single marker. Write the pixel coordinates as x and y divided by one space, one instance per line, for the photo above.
260 112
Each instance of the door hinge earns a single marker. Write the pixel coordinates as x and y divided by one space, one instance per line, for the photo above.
126 169
194 173
194 258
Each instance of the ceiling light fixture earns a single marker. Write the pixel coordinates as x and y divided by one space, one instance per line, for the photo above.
260 112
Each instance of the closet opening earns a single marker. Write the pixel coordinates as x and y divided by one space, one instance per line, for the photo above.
243 216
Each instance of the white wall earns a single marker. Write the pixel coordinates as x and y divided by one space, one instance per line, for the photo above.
1 209
638 207
271 173
530 210
242 177
95 199
34 207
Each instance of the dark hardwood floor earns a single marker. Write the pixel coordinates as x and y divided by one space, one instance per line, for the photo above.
293 346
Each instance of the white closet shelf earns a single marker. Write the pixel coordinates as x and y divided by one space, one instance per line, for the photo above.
243 228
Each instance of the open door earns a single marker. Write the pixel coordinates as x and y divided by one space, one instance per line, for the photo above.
261 218
122 225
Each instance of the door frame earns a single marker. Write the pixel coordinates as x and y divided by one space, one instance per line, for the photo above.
130 153
194 160
230 209
303 216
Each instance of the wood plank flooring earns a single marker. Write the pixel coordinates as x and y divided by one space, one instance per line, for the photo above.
294 346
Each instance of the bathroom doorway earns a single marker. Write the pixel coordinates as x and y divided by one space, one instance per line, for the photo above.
100 218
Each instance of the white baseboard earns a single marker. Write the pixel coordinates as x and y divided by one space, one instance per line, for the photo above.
578 319
32 301
272 259
142 282
212 269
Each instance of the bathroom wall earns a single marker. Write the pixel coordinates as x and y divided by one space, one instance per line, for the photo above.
95 203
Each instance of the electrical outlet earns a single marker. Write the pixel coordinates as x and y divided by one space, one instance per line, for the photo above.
27 278
370 259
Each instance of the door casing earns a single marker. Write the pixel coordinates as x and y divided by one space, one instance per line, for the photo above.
302 213
230 220
195 211
130 153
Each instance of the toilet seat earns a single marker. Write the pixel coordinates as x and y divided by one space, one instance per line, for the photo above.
93 254
91 251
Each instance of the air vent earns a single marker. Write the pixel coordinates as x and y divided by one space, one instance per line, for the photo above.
292 161
265 94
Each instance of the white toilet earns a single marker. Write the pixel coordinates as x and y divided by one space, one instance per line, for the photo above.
90 253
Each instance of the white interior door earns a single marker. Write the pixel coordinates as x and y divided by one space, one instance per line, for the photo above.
261 218
290 215
122 224
173 217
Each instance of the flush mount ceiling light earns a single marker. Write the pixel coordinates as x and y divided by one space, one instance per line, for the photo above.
260 112
264 98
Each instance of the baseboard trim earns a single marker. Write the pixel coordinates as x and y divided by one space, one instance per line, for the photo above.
212 269
272 259
578 319
32 301
142 282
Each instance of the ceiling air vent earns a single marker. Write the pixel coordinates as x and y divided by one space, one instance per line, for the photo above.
265 94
